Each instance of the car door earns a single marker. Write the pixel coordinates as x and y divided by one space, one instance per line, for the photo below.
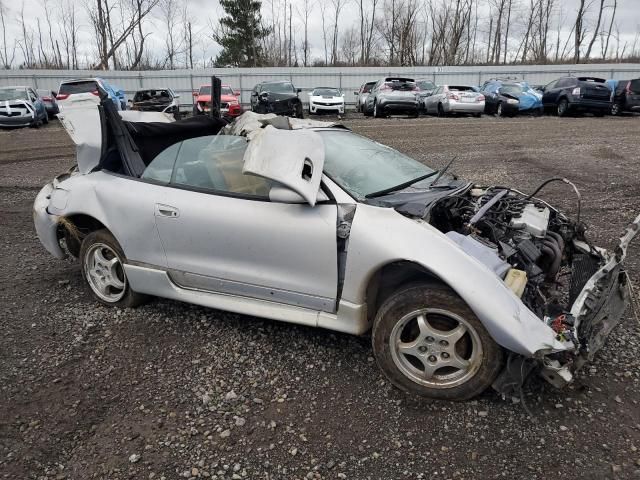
429 101
550 95
221 233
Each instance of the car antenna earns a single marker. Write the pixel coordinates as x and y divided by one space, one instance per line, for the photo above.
442 172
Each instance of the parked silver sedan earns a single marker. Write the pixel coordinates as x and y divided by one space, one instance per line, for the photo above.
309 223
450 99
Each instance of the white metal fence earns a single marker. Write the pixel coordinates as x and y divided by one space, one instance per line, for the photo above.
348 79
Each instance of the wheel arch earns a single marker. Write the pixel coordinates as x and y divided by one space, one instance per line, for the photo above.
389 277
75 227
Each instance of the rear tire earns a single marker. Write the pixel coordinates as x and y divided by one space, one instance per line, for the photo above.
499 110
376 111
441 112
427 341
102 263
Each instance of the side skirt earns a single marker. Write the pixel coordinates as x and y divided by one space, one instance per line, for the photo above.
351 318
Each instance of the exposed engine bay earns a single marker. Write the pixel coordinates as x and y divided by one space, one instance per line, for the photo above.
541 255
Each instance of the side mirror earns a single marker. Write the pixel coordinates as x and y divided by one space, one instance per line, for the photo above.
298 90
177 95
195 93
237 93
355 93
254 94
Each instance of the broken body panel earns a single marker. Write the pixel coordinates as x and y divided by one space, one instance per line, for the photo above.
332 291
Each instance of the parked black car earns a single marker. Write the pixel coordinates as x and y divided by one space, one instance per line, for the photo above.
157 100
577 94
280 98
626 97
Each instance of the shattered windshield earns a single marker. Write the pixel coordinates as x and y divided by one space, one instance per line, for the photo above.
13 94
362 166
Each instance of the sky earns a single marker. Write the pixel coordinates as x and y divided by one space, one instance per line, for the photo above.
628 18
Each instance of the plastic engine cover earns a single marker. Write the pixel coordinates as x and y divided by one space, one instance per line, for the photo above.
534 220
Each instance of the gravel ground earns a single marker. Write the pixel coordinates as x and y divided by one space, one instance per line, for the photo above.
171 390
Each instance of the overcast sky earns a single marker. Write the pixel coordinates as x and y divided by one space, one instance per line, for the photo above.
628 19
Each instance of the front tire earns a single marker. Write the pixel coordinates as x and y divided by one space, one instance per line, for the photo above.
563 108
616 109
428 342
102 263
499 110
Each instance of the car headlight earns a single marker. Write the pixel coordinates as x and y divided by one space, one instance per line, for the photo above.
513 102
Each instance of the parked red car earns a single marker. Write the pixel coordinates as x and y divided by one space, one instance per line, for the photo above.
229 101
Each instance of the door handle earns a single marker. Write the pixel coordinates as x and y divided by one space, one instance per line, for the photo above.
166 211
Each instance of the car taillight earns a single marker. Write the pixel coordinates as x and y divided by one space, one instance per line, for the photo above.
46 99
480 98
62 96
385 87
452 96
576 91
96 93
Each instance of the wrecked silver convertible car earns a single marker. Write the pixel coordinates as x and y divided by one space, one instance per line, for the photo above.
462 286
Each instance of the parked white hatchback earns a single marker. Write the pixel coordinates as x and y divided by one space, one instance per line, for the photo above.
326 100
461 286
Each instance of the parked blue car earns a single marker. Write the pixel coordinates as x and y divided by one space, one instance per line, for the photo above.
509 98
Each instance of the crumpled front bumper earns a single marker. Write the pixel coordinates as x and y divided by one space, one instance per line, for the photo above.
46 224
598 308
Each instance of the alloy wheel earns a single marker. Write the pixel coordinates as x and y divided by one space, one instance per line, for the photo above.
436 348
105 273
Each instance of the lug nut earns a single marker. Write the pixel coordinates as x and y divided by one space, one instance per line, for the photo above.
444 343
422 349
432 358
445 355
430 339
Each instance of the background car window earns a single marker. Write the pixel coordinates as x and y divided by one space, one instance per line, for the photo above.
85 86
362 166
215 163
634 86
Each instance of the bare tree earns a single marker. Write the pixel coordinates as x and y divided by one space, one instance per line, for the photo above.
304 13
338 5
596 30
579 30
169 14
7 54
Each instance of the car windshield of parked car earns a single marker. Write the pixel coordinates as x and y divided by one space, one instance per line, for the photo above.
426 85
279 87
211 163
367 87
362 166
13 94
511 89
226 90
205 90
326 92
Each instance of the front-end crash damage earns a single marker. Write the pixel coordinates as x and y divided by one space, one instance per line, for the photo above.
576 290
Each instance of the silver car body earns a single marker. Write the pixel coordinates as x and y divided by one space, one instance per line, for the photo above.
296 275
454 99
362 94
392 95
22 108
